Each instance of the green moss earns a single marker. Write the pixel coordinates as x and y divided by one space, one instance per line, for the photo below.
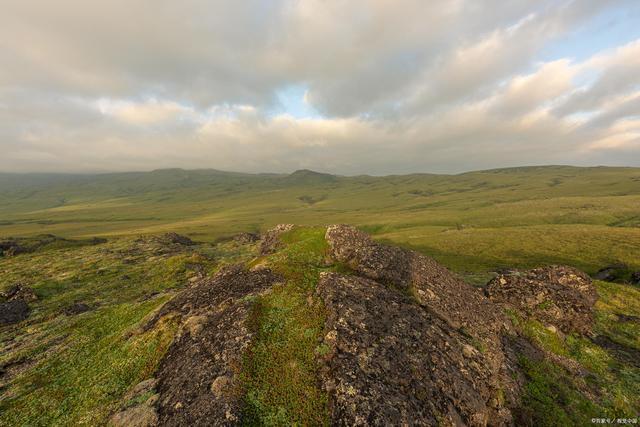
611 389
618 299
545 338
550 399
280 371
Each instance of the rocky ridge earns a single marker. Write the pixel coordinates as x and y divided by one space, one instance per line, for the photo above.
408 342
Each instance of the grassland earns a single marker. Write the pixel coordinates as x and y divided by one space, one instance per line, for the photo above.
73 370
472 222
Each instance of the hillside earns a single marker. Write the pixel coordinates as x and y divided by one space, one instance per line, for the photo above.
473 222
308 325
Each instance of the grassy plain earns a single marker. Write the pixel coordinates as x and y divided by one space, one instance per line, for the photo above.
472 222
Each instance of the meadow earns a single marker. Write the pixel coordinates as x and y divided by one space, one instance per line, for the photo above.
473 222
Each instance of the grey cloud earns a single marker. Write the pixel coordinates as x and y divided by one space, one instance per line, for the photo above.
404 86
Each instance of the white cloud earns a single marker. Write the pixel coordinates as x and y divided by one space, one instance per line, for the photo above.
402 85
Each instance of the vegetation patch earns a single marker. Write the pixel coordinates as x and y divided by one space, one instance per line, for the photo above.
68 370
281 370
554 396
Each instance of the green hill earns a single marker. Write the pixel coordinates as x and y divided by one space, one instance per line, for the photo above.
473 222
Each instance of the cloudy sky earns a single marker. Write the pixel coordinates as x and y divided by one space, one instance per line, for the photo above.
344 86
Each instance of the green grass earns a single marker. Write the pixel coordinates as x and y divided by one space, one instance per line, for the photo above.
549 400
78 385
281 369
553 396
473 222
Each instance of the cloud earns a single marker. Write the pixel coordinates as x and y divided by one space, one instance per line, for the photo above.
395 86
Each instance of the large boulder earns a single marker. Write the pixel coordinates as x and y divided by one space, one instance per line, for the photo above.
434 287
461 306
390 362
557 296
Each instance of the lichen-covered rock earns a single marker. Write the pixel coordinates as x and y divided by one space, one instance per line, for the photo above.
19 292
271 239
198 377
433 285
460 305
13 312
390 362
142 415
246 238
229 283
556 295
175 239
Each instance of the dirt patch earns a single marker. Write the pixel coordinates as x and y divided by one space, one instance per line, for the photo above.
556 295
198 381
390 362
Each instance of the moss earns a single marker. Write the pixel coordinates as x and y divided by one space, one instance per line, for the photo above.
544 337
280 372
556 397
550 399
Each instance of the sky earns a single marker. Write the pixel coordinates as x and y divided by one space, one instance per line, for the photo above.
341 86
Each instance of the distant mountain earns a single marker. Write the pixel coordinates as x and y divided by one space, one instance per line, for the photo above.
306 176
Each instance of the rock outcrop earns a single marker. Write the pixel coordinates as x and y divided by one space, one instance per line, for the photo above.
406 342
271 239
175 239
198 377
558 296
19 292
436 289
246 238
13 312
15 307
393 363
